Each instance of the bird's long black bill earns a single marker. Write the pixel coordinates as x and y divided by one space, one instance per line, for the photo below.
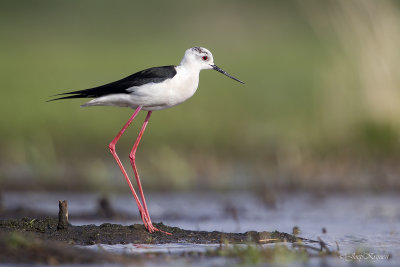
215 67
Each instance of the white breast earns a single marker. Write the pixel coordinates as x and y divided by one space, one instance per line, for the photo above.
182 86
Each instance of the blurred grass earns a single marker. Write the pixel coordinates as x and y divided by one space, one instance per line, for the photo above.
313 90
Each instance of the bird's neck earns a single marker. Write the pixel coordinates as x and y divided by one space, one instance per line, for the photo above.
188 72
189 65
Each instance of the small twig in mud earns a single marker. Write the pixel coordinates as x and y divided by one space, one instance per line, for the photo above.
62 215
296 230
323 249
323 246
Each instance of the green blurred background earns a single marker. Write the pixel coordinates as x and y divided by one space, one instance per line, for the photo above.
319 110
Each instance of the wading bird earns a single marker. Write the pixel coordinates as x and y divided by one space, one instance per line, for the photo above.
150 89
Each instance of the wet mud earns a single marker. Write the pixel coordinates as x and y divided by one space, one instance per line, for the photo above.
107 233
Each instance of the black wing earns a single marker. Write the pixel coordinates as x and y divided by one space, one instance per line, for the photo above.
151 75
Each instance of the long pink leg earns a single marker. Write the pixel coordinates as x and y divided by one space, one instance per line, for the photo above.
143 213
132 156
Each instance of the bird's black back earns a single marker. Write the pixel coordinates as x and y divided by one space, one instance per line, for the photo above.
151 75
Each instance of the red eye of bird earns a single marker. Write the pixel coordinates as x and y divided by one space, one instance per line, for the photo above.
205 58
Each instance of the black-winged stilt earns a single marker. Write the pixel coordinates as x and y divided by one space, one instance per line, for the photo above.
150 89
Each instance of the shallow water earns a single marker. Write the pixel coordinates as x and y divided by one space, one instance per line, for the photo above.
365 226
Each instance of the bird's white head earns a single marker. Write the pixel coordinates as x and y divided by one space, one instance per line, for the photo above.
200 58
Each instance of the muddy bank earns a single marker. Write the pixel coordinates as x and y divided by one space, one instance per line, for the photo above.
38 240
107 233
35 238
59 229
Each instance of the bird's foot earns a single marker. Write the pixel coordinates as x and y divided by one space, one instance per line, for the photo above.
153 229
149 225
